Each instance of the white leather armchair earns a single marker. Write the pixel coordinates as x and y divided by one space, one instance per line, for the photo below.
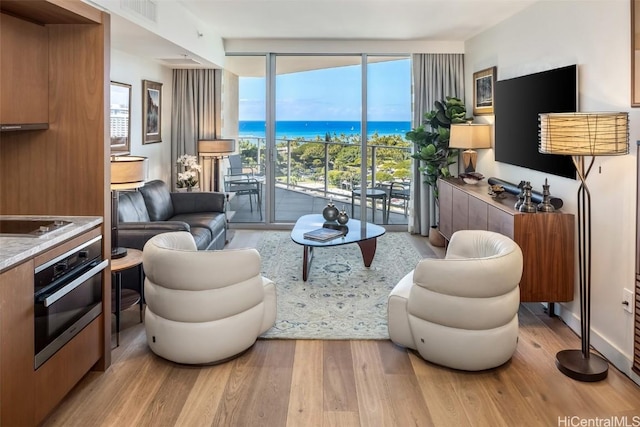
461 311
203 306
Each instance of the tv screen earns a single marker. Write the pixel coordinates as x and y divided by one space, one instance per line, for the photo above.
518 102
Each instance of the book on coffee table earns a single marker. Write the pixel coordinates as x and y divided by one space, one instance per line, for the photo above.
323 234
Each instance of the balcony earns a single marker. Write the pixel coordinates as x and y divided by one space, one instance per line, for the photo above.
305 191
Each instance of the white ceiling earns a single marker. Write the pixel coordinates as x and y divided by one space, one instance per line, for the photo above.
397 21
353 19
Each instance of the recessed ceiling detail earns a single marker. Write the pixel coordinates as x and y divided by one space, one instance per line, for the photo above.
180 61
145 8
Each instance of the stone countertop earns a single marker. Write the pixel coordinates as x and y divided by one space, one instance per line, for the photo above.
14 250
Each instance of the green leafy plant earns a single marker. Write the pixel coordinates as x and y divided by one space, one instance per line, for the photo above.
432 140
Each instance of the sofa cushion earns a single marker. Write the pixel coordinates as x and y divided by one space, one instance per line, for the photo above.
212 222
131 207
157 197
202 237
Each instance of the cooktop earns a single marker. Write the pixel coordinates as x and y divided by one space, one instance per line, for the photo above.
29 227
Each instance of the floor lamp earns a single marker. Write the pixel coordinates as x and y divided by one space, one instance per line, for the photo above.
580 135
216 149
127 173
470 136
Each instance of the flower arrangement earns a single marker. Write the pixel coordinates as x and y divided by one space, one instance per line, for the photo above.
189 177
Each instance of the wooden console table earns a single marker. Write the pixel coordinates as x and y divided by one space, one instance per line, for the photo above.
546 239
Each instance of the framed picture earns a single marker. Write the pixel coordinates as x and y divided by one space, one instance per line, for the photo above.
120 119
635 53
483 84
151 112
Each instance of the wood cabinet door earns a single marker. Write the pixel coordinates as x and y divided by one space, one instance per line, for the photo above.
477 214
499 221
17 392
460 218
445 205
24 72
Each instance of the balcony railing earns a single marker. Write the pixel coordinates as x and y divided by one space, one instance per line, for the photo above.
327 177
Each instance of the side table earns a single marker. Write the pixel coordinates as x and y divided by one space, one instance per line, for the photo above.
373 194
122 299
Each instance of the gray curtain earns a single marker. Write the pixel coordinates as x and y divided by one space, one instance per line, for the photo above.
194 115
435 76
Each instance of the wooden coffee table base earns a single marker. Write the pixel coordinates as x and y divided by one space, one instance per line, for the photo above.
367 249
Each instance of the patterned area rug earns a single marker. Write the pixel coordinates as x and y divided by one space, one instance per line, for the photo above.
342 299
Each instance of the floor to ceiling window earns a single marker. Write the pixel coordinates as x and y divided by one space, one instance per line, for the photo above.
318 135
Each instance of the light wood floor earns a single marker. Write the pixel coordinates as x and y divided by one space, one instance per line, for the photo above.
345 383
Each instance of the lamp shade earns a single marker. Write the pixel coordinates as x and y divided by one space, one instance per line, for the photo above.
584 134
128 172
216 147
470 136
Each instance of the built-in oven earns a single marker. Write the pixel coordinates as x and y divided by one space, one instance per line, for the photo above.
67 296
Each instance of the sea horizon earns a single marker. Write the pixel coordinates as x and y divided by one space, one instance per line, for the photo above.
309 129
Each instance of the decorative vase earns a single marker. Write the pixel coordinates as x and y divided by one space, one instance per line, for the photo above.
343 218
435 238
330 212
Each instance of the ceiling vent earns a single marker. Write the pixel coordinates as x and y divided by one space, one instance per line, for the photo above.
145 8
180 61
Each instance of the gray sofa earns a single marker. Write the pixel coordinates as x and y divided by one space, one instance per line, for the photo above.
154 209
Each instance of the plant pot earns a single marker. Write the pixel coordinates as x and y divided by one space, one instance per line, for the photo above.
187 189
435 238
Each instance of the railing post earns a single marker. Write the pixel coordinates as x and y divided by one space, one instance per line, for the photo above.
373 166
288 163
326 167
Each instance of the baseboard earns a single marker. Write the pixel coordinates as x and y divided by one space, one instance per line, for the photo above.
618 358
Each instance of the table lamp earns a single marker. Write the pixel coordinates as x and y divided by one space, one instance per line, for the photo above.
579 135
470 136
216 149
127 173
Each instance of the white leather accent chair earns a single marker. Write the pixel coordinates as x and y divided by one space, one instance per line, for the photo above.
203 306
461 311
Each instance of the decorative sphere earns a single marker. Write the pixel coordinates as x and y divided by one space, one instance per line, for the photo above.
330 212
343 218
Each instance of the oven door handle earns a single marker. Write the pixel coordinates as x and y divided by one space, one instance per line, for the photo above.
74 284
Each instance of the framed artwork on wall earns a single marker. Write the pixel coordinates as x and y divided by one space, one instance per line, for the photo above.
483 86
120 118
635 53
151 112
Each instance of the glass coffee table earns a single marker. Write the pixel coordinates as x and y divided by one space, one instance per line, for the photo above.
363 233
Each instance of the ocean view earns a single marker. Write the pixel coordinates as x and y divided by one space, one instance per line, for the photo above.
311 129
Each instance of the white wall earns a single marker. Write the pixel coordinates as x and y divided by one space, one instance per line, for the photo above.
596 36
132 70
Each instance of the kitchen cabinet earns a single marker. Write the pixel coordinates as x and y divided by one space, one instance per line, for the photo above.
27 395
63 170
546 239
23 57
17 386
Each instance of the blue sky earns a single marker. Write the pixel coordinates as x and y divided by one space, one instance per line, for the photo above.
333 94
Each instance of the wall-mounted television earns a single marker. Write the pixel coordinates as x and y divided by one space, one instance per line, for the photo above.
518 101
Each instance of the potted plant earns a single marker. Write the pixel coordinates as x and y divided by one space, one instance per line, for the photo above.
431 141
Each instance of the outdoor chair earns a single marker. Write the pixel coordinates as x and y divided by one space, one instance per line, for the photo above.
244 180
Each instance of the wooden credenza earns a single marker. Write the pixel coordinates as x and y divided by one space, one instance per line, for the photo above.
546 239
